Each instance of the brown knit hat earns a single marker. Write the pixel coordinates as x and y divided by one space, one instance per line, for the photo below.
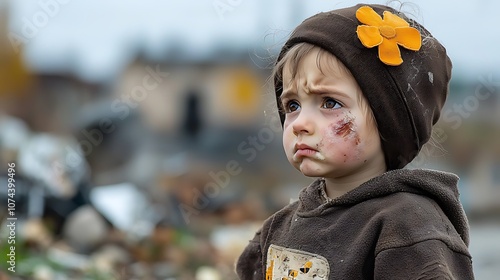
406 99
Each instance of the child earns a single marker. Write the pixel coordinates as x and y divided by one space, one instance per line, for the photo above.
359 90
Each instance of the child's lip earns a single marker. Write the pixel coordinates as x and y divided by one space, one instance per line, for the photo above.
303 150
303 147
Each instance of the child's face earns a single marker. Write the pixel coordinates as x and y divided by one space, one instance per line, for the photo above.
327 132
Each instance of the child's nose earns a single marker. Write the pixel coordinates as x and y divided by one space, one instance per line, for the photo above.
303 124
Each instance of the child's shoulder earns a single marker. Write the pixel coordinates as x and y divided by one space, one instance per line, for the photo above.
286 212
409 218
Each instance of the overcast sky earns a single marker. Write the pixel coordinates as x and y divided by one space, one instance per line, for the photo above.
95 38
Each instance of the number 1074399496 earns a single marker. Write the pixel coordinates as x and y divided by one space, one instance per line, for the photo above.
11 190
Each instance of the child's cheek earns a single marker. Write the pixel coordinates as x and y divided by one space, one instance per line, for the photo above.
341 139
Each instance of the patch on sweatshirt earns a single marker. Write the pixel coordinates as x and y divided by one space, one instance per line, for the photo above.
291 264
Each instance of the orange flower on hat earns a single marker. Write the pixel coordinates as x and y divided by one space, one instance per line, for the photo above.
388 34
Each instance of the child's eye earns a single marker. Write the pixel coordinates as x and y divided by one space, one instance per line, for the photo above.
330 103
292 106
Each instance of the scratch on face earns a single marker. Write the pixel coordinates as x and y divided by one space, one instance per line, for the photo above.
346 129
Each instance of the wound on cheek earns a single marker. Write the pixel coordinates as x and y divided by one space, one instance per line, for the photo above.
345 128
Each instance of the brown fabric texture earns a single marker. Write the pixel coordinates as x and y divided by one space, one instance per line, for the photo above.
406 100
404 224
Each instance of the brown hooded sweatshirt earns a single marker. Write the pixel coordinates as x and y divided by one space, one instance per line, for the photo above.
404 224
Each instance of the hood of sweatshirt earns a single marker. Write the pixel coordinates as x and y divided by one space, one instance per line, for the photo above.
437 185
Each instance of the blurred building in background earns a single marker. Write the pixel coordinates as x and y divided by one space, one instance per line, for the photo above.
157 154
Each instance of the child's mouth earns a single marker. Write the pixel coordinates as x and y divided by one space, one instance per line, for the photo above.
308 153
